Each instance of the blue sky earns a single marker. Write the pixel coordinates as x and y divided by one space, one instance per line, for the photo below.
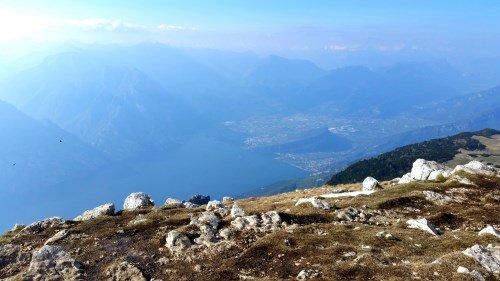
339 26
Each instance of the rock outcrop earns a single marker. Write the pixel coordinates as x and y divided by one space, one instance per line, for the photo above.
53 263
424 225
173 203
489 258
124 271
315 202
490 230
107 209
42 225
137 200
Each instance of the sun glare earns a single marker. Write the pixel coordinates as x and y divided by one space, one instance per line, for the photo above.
16 26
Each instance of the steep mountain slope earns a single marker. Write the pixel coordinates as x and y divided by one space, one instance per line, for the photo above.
398 162
423 230
116 109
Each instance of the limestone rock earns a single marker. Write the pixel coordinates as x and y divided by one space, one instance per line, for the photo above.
58 236
436 197
42 225
177 241
476 167
137 200
422 169
315 202
489 230
353 214
12 256
124 271
246 223
225 233
207 222
107 209
462 180
424 225
271 220
173 203
406 178
213 205
227 199
435 175
53 263
488 258
237 211
370 184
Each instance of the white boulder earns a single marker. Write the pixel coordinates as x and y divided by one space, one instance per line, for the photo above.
488 258
490 230
476 167
406 178
369 184
214 205
137 200
271 220
422 169
58 236
173 203
423 224
227 199
107 209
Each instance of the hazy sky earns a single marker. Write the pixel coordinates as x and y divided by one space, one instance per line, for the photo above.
268 25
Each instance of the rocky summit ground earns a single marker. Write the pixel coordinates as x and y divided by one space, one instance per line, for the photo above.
415 228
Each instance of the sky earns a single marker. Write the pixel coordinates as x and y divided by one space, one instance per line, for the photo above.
445 26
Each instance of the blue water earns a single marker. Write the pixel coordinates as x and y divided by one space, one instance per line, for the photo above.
202 165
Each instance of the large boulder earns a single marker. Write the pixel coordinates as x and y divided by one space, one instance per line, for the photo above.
422 169
58 236
53 263
424 225
173 203
207 222
43 224
489 230
12 257
406 178
370 184
475 167
137 200
271 220
246 223
489 258
107 209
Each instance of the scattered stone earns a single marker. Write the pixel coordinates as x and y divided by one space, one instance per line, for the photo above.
124 271
137 200
227 199
308 274
58 236
489 258
12 256
199 199
246 223
489 230
475 274
177 241
139 219
42 225
423 224
370 184
436 197
173 203
436 175
386 235
271 220
237 211
353 214
475 167
315 202
53 263
107 209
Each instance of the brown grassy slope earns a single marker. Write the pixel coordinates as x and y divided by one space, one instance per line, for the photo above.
314 239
